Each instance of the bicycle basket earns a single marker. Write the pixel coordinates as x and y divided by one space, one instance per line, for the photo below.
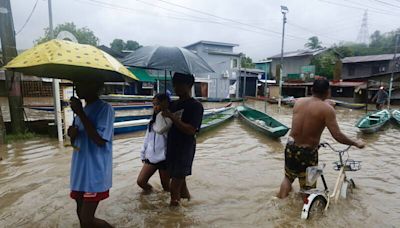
349 165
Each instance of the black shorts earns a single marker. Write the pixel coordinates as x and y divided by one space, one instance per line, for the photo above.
159 165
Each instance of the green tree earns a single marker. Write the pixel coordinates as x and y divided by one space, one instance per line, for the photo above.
325 64
118 45
313 43
247 62
132 45
83 35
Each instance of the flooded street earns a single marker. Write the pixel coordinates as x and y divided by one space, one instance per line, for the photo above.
236 173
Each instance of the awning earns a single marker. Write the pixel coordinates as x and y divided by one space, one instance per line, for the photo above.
144 76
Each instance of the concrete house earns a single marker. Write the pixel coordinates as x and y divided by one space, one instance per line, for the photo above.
367 67
224 61
296 64
375 70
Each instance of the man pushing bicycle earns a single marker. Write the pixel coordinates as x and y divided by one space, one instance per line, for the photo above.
310 117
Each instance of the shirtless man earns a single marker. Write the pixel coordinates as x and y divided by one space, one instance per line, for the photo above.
310 117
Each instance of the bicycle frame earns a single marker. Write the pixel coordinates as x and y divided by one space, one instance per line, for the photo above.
340 188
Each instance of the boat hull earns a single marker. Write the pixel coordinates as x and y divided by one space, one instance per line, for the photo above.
373 122
220 118
276 131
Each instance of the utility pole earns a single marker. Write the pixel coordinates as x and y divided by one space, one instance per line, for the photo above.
13 79
284 11
394 67
55 86
238 77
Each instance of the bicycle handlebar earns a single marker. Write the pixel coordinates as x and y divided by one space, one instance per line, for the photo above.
325 144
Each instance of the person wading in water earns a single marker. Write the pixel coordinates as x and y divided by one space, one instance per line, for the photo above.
310 117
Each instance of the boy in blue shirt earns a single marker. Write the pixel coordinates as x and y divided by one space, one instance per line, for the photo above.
91 168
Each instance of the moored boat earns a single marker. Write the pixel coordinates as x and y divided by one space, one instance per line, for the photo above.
262 122
372 122
349 105
396 116
217 118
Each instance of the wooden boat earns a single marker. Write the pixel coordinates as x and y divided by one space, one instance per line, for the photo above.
217 118
130 126
396 116
130 118
262 122
349 105
116 107
372 122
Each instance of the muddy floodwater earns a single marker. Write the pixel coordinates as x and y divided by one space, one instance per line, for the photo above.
236 173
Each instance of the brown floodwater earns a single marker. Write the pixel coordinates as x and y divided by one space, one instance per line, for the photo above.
236 173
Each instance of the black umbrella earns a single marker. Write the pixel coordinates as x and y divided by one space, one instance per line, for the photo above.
174 59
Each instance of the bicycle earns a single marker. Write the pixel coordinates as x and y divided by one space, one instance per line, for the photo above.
318 200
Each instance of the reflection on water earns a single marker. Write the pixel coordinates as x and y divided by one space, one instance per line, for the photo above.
236 172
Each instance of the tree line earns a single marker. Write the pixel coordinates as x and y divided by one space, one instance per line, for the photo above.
85 35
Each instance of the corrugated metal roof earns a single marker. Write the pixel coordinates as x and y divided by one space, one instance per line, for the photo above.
264 61
212 43
298 53
251 70
368 58
223 53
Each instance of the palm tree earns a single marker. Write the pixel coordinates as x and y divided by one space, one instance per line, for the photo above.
313 43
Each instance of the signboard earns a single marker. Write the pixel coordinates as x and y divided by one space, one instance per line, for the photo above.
147 85
308 69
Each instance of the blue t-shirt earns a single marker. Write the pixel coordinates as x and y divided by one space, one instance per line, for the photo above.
91 168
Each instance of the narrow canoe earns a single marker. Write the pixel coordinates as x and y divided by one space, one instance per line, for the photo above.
349 105
262 122
372 122
217 119
116 107
129 124
396 116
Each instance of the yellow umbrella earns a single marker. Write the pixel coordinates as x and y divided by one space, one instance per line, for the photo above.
68 60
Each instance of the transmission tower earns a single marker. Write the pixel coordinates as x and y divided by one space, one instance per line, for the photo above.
363 34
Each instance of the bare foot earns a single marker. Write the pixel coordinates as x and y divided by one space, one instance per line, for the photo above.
185 196
174 203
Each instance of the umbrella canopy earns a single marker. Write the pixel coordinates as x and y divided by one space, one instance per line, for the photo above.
167 58
68 60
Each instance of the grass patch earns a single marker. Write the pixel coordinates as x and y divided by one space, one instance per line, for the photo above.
20 137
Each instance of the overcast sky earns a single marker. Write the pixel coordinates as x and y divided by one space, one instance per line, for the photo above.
255 25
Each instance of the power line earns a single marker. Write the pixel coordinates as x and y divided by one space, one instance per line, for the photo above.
205 20
387 3
374 10
226 19
29 17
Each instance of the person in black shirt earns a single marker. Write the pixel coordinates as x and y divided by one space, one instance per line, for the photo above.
186 115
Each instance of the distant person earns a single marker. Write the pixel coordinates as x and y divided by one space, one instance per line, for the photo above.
91 136
310 117
186 115
381 97
154 150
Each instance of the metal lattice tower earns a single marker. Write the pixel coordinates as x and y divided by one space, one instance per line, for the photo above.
363 34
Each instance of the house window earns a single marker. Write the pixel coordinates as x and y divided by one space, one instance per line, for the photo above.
234 63
352 70
378 69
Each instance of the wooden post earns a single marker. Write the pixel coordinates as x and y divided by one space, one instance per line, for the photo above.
2 129
13 80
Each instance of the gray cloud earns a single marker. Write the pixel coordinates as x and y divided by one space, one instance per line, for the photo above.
155 22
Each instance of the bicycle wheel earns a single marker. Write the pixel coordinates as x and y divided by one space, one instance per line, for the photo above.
317 207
